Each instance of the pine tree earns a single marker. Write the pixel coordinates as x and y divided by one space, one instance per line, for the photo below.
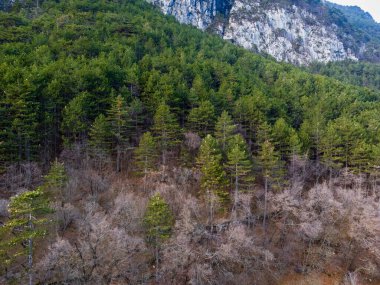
361 156
202 119
282 134
295 150
137 117
271 171
146 154
158 222
331 149
56 180
198 91
166 130
27 223
248 113
350 133
100 138
213 181
119 121
311 131
19 123
375 165
224 130
239 167
74 122
264 133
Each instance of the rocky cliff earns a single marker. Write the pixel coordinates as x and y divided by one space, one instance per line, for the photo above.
299 32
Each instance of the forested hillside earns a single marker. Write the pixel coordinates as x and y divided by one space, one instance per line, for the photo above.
350 72
362 26
148 152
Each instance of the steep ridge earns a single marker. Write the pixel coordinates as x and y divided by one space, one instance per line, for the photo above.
299 32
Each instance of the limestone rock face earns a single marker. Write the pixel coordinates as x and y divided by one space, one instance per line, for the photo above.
290 33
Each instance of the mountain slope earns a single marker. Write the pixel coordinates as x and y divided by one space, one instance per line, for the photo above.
351 72
366 29
84 80
49 60
295 31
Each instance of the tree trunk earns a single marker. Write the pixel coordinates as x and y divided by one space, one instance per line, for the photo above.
157 263
164 157
30 252
210 208
118 158
265 203
236 194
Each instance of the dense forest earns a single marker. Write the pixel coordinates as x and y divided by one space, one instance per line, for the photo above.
135 150
350 72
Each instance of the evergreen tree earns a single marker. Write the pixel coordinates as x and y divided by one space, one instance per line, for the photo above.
263 134
312 130
146 154
100 137
282 134
74 121
248 113
213 181
295 144
27 223
202 119
224 130
361 157
119 121
198 91
349 133
239 167
19 121
137 116
55 180
271 171
158 222
375 165
295 151
331 149
166 130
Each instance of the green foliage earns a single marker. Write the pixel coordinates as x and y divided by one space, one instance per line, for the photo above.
209 161
349 133
74 121
57 177
26 223
158 220
285 139
202 119
249 113
119 121
271 167
351 72
146 153
61 66
362 26
330 148
137 116
166 130
361 157
239 164
29 218
224 130
100 135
